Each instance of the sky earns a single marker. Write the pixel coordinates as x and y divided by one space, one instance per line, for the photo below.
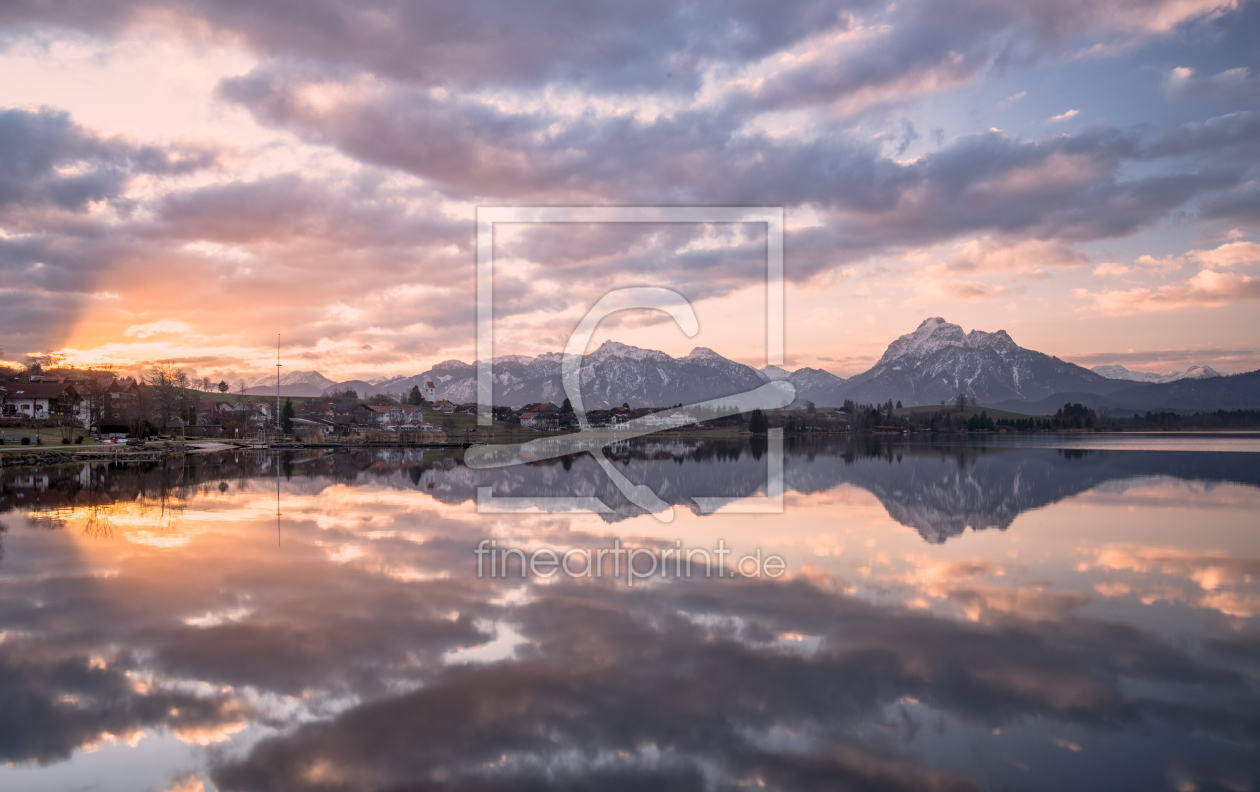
183 180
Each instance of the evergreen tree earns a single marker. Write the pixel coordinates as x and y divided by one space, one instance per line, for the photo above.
287 414
567 407
757 424
414 396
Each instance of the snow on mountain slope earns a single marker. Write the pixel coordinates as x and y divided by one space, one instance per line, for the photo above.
938 361
1118 372
611 375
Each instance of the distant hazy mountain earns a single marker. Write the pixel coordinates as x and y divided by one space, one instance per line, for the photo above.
1222 392
938 361
295 383
1233 392
822 388
774 374
1122 373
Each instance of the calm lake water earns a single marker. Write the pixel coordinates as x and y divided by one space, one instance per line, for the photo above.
1080 613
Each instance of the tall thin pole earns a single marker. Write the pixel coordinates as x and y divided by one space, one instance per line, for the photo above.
277 381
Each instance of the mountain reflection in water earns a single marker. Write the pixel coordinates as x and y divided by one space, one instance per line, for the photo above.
165 619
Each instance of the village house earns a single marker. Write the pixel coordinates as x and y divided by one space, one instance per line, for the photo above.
667 419
443 406
354 415
540 407
429 392
43 398
210 412
261 407
385 414
316 410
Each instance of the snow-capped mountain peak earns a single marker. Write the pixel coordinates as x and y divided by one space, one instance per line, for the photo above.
312 378
616 349
1118 372
931 335
702 353
774 374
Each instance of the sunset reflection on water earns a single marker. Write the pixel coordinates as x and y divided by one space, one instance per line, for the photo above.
315 621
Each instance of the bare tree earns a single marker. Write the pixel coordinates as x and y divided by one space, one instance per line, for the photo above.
205 384
44 360
960 401
240 387
169 384
95 391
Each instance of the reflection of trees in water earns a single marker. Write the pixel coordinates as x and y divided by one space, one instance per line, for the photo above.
940 488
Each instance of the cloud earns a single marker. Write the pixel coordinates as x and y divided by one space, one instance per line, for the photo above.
161 327
1230 85
1112 270
1063 116
1206 289
49 162
1230 254
1157 356
990 254
423 111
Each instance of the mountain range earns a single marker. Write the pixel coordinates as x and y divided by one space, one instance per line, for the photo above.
1122 373
931 365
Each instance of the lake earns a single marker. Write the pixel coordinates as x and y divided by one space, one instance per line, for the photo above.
1041 613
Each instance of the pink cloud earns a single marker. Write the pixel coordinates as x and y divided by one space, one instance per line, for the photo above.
1206 289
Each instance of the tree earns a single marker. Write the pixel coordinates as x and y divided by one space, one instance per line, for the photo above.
960 401
168 384
414 396
95 391
898 405
240 387
37 363
758 424
625 405
287 413
810 408
567 407
223 386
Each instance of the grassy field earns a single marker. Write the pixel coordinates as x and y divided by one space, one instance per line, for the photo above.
51 439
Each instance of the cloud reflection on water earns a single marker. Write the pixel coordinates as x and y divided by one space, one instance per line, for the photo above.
363 653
